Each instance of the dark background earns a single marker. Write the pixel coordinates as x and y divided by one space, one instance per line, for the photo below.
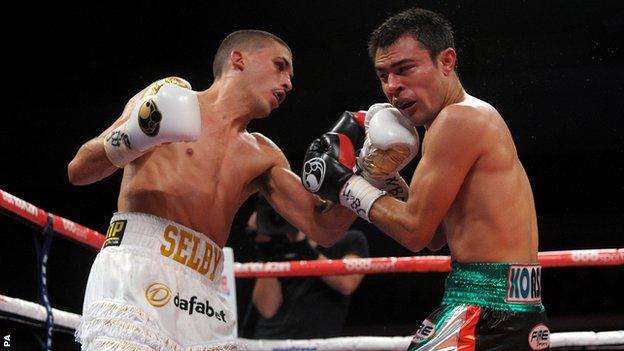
554 70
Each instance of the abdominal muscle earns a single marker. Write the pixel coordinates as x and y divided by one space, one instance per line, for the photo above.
197 190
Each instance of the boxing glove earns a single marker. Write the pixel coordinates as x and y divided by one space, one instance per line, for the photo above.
327 172
168 111
328 164
391 142
351 124
374 108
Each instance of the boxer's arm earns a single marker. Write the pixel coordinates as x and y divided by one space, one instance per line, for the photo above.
284 191
452 146
439 239
304 210
90 164
166 111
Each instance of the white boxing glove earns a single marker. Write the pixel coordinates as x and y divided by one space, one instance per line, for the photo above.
374 109
168 111
391 143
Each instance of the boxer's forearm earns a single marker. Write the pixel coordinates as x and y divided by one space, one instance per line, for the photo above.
90 164
394 218
282 188
331 225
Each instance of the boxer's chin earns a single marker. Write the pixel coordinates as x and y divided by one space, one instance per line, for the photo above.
263 110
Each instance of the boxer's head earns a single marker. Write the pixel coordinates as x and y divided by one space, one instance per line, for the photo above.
262 65
414 57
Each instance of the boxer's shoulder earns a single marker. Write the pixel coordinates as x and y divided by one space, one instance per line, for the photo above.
465 119
470 110
265 143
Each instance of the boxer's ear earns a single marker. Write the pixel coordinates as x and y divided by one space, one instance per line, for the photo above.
447 59
237 61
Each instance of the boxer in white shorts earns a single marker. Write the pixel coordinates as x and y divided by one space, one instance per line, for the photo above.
189 163
156 282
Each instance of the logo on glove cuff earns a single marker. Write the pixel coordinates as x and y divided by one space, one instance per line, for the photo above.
149 117
313 174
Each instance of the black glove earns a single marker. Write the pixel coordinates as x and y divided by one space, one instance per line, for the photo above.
351 124
328 165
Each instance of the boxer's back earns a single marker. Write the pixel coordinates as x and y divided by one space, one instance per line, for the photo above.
200 184
493 216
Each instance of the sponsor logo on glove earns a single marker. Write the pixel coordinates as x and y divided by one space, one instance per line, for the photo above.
149 117
313 174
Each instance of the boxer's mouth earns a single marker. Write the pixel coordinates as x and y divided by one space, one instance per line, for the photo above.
404 104
280 96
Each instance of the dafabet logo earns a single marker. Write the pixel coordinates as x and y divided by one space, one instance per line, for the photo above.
157 294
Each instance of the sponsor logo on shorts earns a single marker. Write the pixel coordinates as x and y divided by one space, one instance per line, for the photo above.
115 232
191 250
149 117
425 331
524 284
192 305
157 294
313 174
539 337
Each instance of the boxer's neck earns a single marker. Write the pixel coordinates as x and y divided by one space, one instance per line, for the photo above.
222 103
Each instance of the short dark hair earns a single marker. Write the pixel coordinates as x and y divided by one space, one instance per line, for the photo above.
247 39
431 30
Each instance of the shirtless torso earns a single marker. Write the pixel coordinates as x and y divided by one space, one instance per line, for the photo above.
201 184
469 187
492 218
218 173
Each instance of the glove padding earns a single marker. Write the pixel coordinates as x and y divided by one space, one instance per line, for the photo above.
391 143
351 124
168 111
328 164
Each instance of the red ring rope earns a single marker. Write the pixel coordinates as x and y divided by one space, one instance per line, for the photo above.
567 258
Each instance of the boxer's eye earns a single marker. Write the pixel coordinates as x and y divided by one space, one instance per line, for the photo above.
404 69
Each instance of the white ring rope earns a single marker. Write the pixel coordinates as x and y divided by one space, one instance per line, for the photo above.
32 311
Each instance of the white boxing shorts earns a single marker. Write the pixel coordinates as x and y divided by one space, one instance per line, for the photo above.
154 287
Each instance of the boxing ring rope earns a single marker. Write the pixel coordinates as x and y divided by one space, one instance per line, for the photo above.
70 321
29 312
566 258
